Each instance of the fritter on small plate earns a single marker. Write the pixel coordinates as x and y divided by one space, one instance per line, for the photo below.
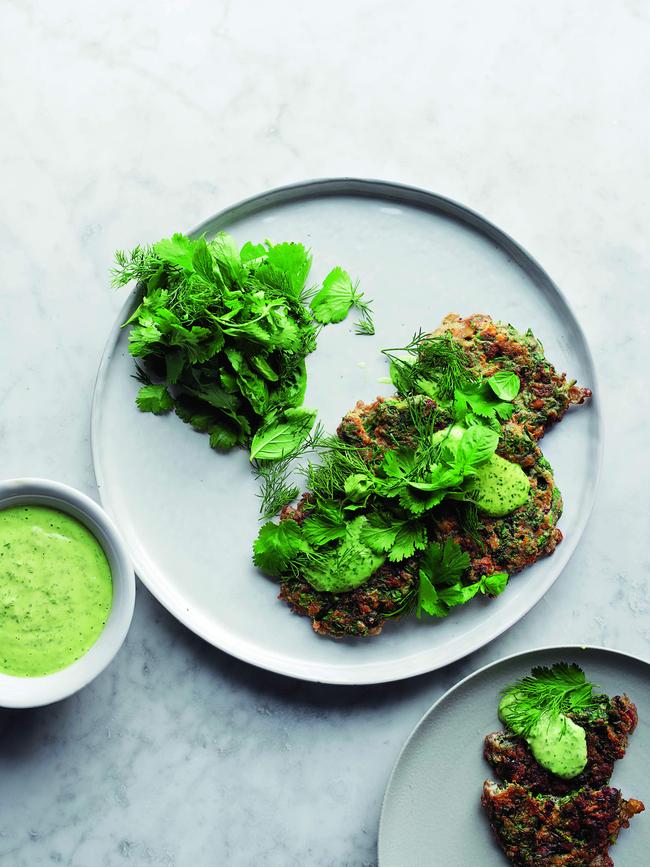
607 730
548 831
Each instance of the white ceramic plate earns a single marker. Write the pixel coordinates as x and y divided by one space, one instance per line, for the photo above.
432 816
189 515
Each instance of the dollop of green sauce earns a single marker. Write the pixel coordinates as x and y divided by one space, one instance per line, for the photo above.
56 590
499 487
353 566
557 742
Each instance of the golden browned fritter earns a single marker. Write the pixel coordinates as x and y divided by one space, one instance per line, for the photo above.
505 544
545 394
546 831
607 728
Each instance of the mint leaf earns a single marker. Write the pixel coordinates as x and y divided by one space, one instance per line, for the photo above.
505 384
155 399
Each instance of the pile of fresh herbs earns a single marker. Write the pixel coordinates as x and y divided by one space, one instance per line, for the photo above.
221 335
370 505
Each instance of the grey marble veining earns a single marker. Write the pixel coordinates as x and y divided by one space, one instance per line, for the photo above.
123 122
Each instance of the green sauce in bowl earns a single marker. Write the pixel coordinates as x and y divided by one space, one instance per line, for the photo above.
56 590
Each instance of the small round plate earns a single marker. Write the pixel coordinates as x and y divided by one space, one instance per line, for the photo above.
190 515
432 815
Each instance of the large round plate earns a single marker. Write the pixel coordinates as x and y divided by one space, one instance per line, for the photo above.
189 514
432 815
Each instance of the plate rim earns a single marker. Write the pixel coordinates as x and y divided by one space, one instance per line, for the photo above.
352 674
559 648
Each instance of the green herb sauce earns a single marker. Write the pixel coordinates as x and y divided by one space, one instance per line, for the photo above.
499 487
55 590
558 744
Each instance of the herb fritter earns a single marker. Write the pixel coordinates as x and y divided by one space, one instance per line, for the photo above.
547 831
607 730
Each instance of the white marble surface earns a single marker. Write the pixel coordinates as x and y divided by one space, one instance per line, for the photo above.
122 121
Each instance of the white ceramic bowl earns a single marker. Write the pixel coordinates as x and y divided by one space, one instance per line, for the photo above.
22 692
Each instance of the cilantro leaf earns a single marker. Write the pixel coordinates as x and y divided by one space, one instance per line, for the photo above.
481 400
445 562
276 546
410 536
380 533
428 600
399 538
252 253
294 261
155 399
223 436
458 594
358 487
505 384
333 300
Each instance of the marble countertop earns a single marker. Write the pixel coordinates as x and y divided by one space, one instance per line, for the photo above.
122 122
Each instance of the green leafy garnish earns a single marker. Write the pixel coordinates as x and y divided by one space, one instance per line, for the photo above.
479 401
277 439
224 332
345 566
155 399
277 488
371 504
337 295
561 689
441 586
433 366
276 545
505 384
